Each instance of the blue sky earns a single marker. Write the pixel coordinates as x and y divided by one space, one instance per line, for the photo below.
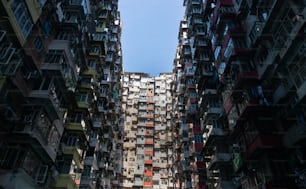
149 35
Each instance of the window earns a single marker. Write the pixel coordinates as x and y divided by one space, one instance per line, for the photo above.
46 28
55 56
38 45
198 139
10 155
22 16
229 49
82 97
86 170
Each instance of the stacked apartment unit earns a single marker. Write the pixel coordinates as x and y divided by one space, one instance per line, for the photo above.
60 103
247 59
189 165
147 106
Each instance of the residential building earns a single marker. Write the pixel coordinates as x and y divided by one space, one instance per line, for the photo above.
246 58
60 94
147 106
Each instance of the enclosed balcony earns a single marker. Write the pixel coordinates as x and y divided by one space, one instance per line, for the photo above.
201 42
102 105
92 69
224 9
103 14
28 168
196 2
87 182
9 64
76 122
39 131
65 181
6 52
214 132
84 100
149 124
196 20
48 91
93 141
71 17
148 152
243 72
58 64
76 153
211 107
95 51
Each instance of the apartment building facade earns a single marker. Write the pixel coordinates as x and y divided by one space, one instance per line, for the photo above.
247 59
61 124
147 138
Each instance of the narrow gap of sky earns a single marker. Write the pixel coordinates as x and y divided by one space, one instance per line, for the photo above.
149 34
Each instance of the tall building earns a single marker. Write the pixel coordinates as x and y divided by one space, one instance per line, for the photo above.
244 63
231 115
147 145
60 103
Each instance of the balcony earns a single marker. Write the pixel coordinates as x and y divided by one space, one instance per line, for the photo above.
148 152
109 58
89 160
213 111
149 141
138 182
86 83
256 31
36 132
195 2
48 92
197 20
219 159
140 141
149 124
147 184
83 100
214 134
148 162
71 18
87 181
201 42
93 141
65 181
148 173
97 122
75 152
207 92
6 53
103 15
75 126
